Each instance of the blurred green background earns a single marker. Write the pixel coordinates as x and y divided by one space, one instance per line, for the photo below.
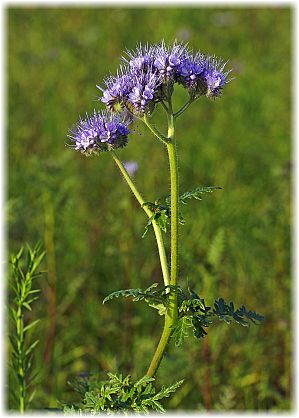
91 226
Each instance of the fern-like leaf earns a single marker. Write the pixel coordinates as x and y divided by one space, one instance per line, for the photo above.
180 330
197 193
241 316
134 293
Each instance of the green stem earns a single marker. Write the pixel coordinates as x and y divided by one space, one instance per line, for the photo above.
164 107
172 310
160 350
20 347
174 208
183 108
157 230
155 131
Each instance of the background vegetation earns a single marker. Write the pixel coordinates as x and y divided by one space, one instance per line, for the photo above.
91 227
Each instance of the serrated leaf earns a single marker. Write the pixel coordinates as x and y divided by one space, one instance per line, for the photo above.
197 193
227 313
145 380
152 297
161 215
123 293
165 392
198 329
146 228
161 308
155 405
151 287
180 330
121 394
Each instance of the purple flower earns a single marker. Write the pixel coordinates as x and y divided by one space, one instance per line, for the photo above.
168 58
102 131
141 59
190 72
214 76
117 89
144 93
148 74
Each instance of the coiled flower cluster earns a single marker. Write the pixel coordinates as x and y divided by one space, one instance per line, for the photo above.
146 77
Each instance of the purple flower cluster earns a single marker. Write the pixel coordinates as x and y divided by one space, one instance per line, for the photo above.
147 75
102 131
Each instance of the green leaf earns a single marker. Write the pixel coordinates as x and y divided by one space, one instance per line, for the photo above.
31 347
123 293
29 326
161 215
198 329
180 330
227 313
165 392
154 405
251 315
121 394
153 298
34 291
32 300
31 396
162 219
161 308
146 228
145 380
197 193
27 306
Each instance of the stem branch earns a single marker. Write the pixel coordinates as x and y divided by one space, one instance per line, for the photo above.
155 131
183 108
157 230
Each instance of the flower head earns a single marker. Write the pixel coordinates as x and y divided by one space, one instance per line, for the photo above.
117 89
214 76
141 59
102 131
148 74
190 73
167 59
144 92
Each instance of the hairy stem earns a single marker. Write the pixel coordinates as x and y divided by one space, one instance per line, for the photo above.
157 230
172 310
171 148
